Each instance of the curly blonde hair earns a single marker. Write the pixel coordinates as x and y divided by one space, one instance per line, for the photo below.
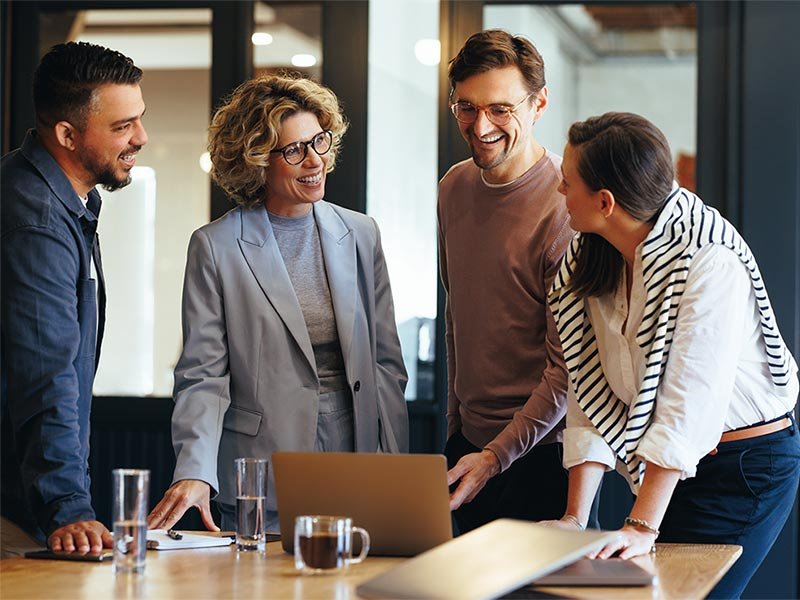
246 128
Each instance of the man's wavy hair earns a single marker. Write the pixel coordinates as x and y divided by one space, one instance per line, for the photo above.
248 125
496 49
67 77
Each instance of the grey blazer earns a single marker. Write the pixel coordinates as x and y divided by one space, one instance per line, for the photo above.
246 383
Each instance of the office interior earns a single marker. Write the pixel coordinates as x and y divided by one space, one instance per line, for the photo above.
718 77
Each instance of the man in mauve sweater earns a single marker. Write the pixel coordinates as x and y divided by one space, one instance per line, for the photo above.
503 229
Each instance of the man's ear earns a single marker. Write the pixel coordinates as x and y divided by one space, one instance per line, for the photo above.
65 134
539 104
607 203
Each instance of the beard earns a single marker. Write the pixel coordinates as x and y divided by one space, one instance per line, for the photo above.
110 182
488 160
104 172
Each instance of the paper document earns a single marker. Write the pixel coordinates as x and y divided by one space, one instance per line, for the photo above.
158 539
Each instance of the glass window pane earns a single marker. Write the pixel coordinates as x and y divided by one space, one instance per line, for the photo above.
401 169
145 227
287 36
639 58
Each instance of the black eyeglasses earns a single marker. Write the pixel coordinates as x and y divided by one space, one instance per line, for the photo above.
499 114
296 152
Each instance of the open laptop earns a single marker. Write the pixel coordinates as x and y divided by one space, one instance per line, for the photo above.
402 500
485 563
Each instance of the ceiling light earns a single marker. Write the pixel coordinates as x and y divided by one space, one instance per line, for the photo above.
428 51
304 60
260 38
205 162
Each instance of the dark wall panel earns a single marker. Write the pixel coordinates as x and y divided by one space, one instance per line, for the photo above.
770 208
345 49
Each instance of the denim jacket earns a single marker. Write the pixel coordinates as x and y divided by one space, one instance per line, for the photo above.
51 333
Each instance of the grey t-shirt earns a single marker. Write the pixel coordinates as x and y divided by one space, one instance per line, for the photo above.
298 241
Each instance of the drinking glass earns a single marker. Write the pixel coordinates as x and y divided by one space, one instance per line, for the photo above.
251 500
130 497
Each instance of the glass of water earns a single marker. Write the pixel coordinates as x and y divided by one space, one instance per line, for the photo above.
131 487
251 499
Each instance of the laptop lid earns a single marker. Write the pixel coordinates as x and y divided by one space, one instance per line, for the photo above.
600 573
485 563
402 500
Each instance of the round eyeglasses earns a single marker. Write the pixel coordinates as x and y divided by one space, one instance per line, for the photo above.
499 114
296 152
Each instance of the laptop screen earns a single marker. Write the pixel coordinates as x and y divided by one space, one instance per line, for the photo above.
402 500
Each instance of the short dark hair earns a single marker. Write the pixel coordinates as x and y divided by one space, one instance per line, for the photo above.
629 156
68 75
495 49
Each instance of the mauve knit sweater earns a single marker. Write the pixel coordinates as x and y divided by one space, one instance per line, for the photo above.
499 250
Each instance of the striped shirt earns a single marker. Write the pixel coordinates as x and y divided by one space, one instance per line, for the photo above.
686 229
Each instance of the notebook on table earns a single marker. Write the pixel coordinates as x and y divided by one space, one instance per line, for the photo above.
485 563
402 500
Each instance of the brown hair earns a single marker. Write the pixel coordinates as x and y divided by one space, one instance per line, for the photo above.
629 156
248 125
495 49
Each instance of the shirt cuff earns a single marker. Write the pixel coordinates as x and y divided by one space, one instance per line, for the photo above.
585 444
68 512
665 447
503 455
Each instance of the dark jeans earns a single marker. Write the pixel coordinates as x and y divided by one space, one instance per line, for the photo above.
533 488
741 495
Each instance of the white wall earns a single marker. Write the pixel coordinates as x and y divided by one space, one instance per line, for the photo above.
664 91
402 159
127 241
661 89
561 71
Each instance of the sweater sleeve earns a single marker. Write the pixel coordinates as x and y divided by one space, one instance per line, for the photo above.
546 407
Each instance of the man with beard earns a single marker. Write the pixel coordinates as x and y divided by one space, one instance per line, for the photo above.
88 131
503 229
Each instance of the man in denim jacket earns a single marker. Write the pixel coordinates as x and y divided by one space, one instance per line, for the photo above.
88 131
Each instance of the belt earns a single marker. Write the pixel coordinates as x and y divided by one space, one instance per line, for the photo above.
754 431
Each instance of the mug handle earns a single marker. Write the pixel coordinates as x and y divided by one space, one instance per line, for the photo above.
364 546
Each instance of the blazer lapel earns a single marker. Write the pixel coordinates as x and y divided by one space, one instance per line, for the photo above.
260 250
339 253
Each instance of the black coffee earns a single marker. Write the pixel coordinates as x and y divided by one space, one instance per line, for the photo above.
322 550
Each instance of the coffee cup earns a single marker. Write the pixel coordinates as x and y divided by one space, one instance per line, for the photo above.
323 544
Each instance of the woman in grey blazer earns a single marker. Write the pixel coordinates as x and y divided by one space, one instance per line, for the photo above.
288 323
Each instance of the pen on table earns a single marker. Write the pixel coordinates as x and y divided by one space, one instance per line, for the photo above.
174 535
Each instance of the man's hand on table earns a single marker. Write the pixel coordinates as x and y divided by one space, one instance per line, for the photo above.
81 536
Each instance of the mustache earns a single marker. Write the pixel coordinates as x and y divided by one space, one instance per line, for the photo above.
130 150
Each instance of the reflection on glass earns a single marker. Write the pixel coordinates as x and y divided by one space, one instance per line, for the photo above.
288 37
145 228
401 169
639 58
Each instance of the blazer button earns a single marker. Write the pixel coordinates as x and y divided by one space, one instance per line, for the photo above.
357 386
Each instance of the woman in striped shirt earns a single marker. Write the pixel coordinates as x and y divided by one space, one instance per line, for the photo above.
679 376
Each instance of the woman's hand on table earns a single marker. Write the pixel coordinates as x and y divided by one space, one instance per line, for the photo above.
177 500
629 542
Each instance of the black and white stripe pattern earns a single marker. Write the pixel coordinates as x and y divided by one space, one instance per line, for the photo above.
685 226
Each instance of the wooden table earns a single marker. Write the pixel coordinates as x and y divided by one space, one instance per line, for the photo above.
684 571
